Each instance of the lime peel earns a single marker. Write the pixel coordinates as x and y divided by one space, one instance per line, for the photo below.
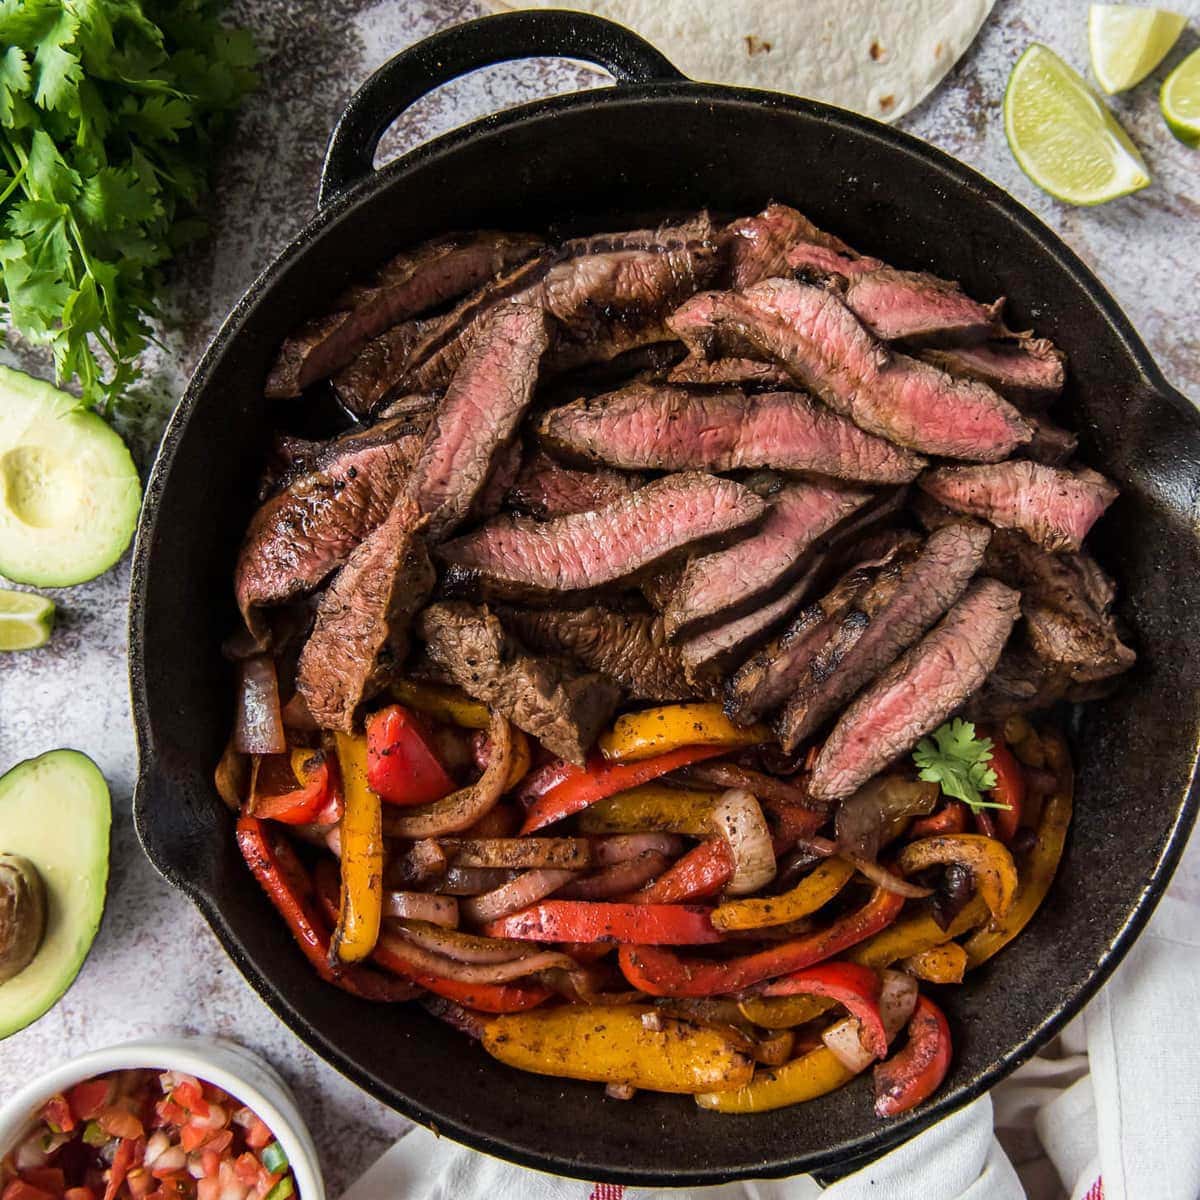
1180 100
26 620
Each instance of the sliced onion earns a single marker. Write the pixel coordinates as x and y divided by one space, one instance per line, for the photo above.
462 972
422 861
620 1091
528 888
422 906
30 1153
463 947
738 818
570 853
880 876
470 881
897 999
623 846
156 1145
172 1159
460 810
621 877
846 1045
258 727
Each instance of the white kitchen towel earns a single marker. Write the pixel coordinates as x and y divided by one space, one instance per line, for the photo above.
1121 1122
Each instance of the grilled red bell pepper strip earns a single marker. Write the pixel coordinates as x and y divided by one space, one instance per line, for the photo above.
661 972
292 805
402 767
951 818
542 779
855 987
917 1071
586 785
1009 790
599 921
284 879
702 872
390 953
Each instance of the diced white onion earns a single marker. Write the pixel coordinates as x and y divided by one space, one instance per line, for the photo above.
738 818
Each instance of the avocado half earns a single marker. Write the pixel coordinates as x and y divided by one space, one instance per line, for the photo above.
56 813
69 490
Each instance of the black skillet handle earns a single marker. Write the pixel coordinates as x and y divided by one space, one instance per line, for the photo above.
484 42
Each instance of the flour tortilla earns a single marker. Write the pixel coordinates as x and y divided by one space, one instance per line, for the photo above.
878 57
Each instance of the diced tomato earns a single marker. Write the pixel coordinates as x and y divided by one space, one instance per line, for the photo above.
258 1134
402 767
208 1188
20 1190
247 1167
189 1095
88 1098
220 1141
192 1137
170 1113
56 1112
49 1179
210 1161
118 1122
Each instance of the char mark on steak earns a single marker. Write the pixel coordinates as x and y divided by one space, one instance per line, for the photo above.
918 691
479 415
500 482
1028 370
719 586
630 648
758 246
308 529
563 708
1052 445
361 631
678 428
519 558
1054 507
725 372
545 488
766 679
905 600
809 331
412 283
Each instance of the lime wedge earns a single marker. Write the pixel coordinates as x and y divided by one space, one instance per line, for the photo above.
1180 100
1062 135
25 620
1128 43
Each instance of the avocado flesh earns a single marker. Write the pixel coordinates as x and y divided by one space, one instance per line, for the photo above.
69 491
55 811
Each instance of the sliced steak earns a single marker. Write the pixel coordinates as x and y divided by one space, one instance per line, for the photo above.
1027 370
810 332
678 428
519 558
899 613
746 372
479 414
411 283
758 246
363 619
308 529
606 294
379 366
500 481
918 691
630 648
1067 602
1055 507
544 488
564 709
766 679
724 584
1052 445
661 584
918 308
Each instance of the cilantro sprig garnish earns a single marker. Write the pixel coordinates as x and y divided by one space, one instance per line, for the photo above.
108 112
958 761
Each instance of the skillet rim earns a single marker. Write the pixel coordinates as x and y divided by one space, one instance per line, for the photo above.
851 1152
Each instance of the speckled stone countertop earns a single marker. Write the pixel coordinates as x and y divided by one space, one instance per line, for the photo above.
156 968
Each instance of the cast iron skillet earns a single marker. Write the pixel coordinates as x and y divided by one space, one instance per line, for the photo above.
654 145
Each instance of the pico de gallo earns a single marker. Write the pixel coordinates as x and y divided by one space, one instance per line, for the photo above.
146 1135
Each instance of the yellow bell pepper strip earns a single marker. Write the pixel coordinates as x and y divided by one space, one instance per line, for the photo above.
814 890
612 1044
360 908
522 759
443 702
938 964
988 860
783 1012
654 731
652 808
1039 868
814 1074
914 934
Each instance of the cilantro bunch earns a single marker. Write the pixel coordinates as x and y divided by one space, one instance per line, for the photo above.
959 761
108 113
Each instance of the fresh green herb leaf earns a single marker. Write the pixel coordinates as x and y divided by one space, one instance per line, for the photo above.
958 761
108 114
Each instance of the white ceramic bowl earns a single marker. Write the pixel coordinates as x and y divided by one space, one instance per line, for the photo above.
225 1064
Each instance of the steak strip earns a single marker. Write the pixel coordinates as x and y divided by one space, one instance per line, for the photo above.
518 557
544 488
917 692
1027 370
674 429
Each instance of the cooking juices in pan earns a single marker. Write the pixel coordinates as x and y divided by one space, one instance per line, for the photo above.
641 685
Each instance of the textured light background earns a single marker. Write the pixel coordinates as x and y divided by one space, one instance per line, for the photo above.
155 967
